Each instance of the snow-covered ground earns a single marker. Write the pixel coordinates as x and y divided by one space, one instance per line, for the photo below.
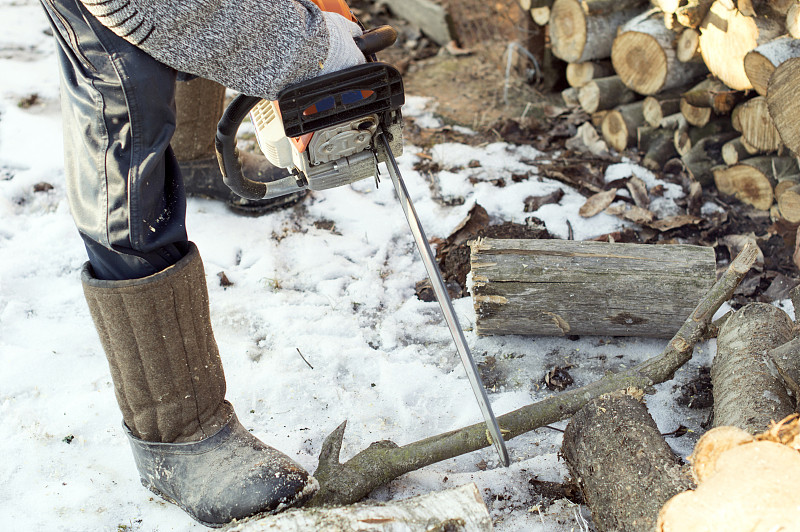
344 298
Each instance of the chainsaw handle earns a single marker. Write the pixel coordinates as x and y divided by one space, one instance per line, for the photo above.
376 39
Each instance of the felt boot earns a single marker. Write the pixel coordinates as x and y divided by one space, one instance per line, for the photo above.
199 106
187 442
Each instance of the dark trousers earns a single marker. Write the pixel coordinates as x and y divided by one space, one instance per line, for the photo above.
124 187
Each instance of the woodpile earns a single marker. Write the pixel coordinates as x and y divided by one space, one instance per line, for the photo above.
716 79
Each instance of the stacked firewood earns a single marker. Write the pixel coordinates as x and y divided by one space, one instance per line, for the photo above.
709 83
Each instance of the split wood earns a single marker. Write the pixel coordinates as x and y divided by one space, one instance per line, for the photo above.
384 461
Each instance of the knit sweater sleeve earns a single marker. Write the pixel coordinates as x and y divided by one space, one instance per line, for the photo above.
256 47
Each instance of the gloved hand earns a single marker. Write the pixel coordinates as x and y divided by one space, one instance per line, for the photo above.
343 52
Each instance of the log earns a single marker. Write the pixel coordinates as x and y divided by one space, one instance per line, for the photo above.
579 74
725 38
760 63
620 125
644 57
557 287
793 20
687 48
758 128
655 108
624 468
752 181
789 202
660 149
458 509
570 97
604 93
705 156
713 94
736 150
692 14
381 462
783 103
695 115
582 31
541 15
747 394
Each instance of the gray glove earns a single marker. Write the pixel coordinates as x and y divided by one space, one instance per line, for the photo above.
343 52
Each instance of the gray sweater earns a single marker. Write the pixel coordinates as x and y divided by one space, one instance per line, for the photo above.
253 46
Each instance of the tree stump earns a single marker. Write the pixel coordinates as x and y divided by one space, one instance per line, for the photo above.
624 468
559 287
747 394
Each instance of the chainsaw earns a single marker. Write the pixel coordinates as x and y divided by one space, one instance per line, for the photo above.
334 130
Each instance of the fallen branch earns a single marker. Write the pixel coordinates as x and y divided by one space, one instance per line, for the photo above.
384 461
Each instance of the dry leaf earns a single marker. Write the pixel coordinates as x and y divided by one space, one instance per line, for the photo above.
597 203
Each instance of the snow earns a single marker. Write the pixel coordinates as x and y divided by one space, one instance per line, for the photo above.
342 298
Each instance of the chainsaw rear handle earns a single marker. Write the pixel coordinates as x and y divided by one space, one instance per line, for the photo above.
370 42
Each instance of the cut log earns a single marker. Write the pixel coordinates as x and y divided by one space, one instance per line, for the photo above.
555 287
705 156
783 103
525 5
793 20
623 466
759 64
458 510
673 122
725 38
655 108
644 57
570 97
713 94
694 115
687 49
747 394
579 74
736 150
582 31
659 150
758 128
752 181
541 15
604 93
620 125
687 137
789 202
692 14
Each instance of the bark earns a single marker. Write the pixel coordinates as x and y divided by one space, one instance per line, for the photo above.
198 108
758 127
705 156
760 63
783 103
384 461
570 97
660 149
579 74
714 95
620 125
726 36
692 14
746 393
604 93
555 287
454 510
736 150
582 31
625 469
644 57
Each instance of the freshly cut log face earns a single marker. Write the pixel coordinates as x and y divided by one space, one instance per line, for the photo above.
752 181
645 58
784 104
759 64
725 38
688 45
758 128
582 31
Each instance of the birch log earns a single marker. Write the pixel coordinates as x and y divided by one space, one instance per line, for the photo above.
625 469
455 510
747 393
725 38
783 103
582 31
557 287
760 63
644 57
